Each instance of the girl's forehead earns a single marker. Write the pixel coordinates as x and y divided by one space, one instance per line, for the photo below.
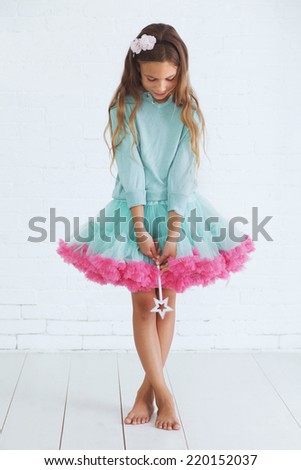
158 69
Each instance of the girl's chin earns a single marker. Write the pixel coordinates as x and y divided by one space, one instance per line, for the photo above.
160 97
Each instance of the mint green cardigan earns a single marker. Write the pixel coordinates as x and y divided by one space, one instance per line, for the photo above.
164 165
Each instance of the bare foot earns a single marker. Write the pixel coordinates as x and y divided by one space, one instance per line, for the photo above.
143 408
166 416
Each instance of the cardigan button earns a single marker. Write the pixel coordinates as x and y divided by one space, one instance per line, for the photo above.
149 96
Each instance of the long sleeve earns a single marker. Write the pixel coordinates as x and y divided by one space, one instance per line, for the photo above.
130 171
181 180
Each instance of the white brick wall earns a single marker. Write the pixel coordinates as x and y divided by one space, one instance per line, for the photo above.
60 63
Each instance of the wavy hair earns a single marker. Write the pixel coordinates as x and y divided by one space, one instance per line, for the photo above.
169 47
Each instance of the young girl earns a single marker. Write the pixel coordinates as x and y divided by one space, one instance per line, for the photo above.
156 216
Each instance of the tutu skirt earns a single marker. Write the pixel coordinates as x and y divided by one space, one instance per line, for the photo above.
106 251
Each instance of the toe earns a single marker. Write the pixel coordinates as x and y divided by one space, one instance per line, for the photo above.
176 426
128 420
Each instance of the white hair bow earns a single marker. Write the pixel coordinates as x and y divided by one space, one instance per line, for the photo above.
146 42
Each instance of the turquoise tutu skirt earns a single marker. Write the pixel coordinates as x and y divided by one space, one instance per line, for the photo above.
106 250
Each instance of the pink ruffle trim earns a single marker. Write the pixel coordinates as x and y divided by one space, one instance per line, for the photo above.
140 276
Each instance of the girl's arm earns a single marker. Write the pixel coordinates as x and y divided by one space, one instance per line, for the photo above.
174 225
144 239
130 170
138 217
181 181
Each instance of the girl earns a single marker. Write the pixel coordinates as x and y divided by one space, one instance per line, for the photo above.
156 216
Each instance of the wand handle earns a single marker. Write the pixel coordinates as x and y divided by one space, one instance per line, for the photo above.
159 281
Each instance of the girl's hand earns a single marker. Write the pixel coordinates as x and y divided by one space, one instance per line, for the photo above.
170 250
147 246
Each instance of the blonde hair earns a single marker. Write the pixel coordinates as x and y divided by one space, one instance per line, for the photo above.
172 50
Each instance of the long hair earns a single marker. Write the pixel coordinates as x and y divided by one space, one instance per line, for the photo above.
171 48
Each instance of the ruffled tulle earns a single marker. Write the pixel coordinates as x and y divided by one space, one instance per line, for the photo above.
107 252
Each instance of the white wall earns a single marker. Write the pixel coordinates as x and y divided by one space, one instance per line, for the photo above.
60 64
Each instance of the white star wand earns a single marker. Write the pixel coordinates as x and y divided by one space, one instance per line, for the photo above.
159 302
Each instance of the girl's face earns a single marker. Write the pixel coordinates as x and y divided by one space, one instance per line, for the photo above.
159 79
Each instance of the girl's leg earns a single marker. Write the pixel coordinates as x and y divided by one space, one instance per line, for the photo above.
165 328
146 338
149 350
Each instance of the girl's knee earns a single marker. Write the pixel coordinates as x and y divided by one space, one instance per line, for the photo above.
143 302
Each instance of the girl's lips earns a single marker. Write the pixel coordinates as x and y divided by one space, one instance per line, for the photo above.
159 94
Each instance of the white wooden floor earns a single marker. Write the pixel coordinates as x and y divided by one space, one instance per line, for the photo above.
77 400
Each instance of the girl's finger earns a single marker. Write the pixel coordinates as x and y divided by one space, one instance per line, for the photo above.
157 248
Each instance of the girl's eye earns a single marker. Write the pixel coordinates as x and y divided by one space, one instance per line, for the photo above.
168 79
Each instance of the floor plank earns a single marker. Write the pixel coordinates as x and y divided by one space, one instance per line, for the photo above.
283 370
226 402
36 413
10 371
93 411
